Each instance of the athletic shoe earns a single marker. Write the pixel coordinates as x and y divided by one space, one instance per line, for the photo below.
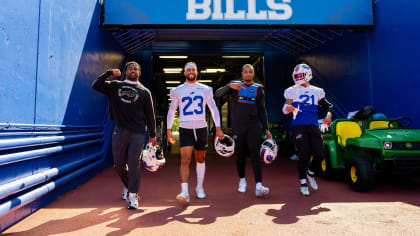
133 202
261 191
125 194
242 186
294 157
312 182
200 192
183 198
304 190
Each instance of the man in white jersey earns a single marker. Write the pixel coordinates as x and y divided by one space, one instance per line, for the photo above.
192 98
303 100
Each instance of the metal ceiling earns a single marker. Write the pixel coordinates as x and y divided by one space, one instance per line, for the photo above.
291 41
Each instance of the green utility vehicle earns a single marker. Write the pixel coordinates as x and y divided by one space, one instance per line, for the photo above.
363 149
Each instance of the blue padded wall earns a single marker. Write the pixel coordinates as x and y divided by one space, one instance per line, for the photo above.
18 60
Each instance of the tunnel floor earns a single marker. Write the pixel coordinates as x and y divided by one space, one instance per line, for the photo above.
96 208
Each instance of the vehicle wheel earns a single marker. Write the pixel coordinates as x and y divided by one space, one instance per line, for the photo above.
325 168
360 174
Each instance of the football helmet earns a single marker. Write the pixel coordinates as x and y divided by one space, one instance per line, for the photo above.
224 147
268 151
152 158
302 73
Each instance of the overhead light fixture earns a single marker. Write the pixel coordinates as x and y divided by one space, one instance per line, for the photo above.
205 81
173 82
172 70
212 70
235 57
170 87
173 57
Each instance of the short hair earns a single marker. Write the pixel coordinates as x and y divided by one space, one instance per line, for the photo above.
192 64
249 66
131 63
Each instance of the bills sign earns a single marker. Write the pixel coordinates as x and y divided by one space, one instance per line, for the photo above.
238 12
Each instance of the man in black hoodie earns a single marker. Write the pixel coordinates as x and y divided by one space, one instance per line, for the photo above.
131 107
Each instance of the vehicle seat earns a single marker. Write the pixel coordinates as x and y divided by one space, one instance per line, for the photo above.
379 124
345 130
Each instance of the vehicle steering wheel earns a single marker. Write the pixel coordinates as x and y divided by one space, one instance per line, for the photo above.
401 124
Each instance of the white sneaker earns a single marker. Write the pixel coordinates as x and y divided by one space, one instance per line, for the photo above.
294 157
304 190
200 192
125 194
133 202
242 186
312 182
183 198
261 191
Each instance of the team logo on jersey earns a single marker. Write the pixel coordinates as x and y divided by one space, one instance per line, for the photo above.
128 94
192 93
252 90
299 136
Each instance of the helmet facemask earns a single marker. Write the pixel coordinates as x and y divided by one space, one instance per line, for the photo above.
302 74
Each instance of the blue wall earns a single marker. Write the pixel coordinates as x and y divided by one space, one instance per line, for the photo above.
394 57
375 68
278 77
51 51
47 71
18 60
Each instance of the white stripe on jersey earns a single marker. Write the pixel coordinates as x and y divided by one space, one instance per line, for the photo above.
192 100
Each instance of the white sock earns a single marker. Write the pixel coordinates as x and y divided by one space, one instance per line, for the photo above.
302 181
258 185
184 187
242 180
201 170
132 194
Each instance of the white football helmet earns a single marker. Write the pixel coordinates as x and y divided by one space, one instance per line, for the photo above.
224 147
268 151
302 73
152 158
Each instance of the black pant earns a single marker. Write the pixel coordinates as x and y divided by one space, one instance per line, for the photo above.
247 143
126 148
308 141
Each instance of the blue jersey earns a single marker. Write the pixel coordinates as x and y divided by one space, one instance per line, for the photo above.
306 99
248 94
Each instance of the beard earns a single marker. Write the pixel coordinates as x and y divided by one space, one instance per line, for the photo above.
191 77
247 79
132 77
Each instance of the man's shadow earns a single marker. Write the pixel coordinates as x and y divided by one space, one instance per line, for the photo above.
122 220
290 211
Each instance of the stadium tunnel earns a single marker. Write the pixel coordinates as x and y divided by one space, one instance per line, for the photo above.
55 131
